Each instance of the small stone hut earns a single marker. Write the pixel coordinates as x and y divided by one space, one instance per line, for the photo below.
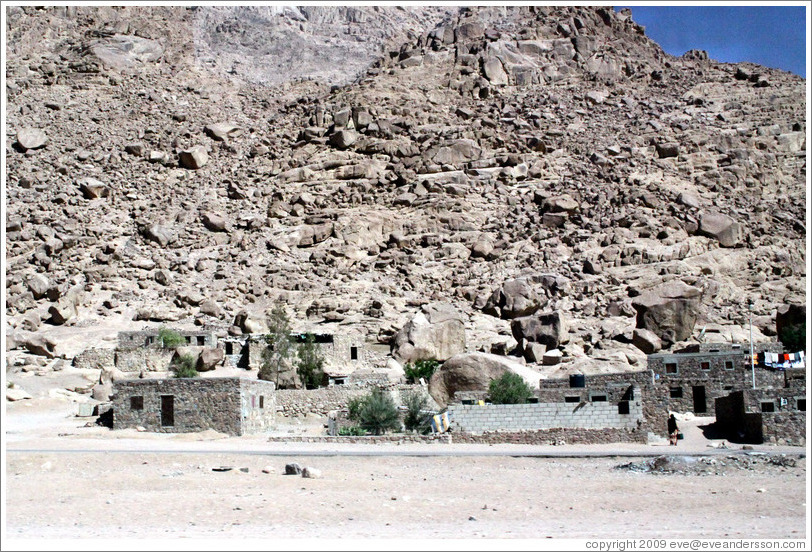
235 406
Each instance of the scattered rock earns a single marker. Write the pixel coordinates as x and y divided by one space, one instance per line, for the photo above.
31 138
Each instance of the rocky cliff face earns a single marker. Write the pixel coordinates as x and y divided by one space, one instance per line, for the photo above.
184 165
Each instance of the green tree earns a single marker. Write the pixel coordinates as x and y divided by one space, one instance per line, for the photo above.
184 367
793 337
416 418
509 388
311 363
423 368
279 346
170 339
375 412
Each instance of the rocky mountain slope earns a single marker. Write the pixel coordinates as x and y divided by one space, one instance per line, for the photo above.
549 173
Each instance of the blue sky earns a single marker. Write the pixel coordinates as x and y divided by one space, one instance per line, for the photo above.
774 36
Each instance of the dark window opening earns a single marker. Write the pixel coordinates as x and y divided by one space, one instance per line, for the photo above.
728 388
136 403
728 365
670 367
339 381
150 341
229 348
353 353
572 399
675 392
598 398
714 350
704 365
167 410
262 401
768 406
801 403
623 407
201 340
189 339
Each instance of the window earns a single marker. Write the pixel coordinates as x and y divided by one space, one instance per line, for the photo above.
339 381
229 348
670 367
675 392
598 398
704 365
201 340
728 388
572 399
768 406
262 401
189 339
136 403
728 365
353 353
801 404
150 341
623 407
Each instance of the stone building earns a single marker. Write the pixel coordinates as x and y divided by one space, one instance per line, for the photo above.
235 406
149 338
692 379
772 414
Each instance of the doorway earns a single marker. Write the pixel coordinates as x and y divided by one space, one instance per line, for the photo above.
700 404
167 410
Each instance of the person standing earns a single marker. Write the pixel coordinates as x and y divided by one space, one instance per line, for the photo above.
673 430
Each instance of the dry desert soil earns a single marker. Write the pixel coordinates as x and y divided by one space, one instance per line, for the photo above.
68 481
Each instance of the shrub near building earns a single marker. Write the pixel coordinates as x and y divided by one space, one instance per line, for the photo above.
509 388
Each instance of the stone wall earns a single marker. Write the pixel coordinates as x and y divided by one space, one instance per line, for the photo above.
151 359
521 417
784 428
199 404
741 415
258 405
557 436
321 401
95 359
147 338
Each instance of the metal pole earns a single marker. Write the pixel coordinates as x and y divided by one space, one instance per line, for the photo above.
752 362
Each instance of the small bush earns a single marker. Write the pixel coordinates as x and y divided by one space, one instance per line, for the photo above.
310 365
184 367
509 388
170 339
375 412
416 418
352 431
420 369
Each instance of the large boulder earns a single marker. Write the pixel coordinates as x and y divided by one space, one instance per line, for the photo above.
474 372
514 299
547 329
720 227
62 311
436 332
457 152
669 311
249 324
37 344
209 358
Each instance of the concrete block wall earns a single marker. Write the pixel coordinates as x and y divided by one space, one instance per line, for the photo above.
520 417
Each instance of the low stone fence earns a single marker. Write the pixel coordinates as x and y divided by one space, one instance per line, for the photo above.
300 402
557 436
95 359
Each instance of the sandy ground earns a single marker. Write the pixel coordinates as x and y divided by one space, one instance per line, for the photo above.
67 481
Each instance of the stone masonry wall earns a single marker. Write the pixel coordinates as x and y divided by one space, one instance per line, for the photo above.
516 417
199 404
95 359
152 359
300 402
258 405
